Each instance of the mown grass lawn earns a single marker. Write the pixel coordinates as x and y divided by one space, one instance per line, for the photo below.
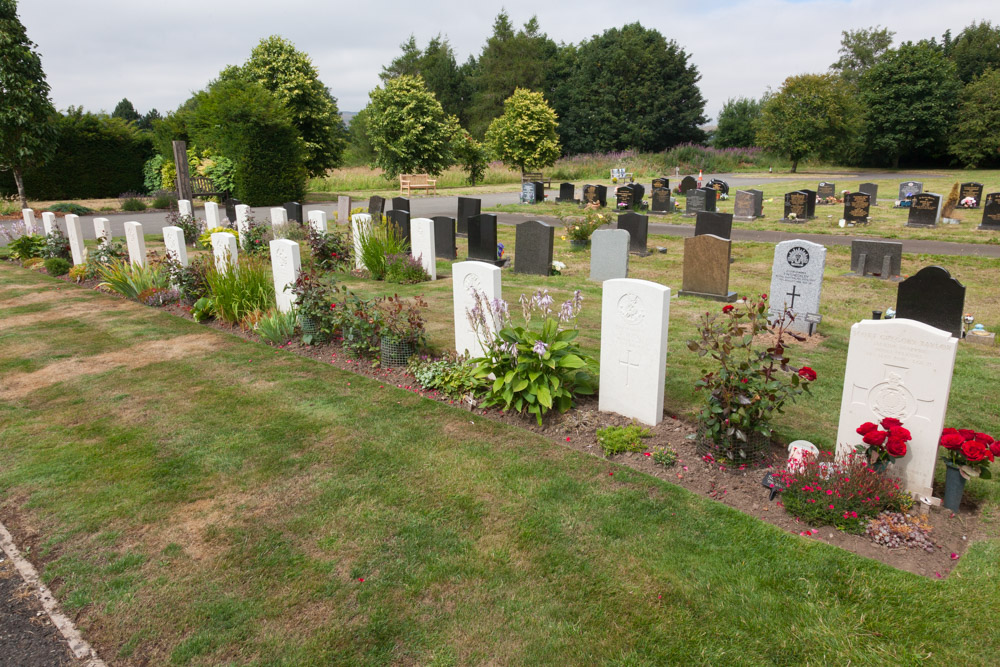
197 499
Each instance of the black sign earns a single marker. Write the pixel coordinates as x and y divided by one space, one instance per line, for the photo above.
774 484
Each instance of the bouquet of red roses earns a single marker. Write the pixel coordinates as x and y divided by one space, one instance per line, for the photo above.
882 445
969 451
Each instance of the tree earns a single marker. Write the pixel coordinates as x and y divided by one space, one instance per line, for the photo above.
975 50
737 121
290 76
471 154
408 130
126 112
629 88
525 135
910 98
27 134
146 122
860 49
811 114
436 64
359 149
976 137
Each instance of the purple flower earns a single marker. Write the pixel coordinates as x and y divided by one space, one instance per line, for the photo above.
540 348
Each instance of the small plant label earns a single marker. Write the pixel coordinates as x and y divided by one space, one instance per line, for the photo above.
774 484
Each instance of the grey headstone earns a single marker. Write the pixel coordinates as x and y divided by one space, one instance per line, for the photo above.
870 189
467 207
758 196
376 208
825 190
910 188
343 210
797 282
991 212
713 222
444 237
695 202
744 206
706 268
533 248
638 228
876 257
933 297
925 210
609 254
483 238
857 207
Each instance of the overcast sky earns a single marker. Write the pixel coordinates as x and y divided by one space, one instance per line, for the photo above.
96 52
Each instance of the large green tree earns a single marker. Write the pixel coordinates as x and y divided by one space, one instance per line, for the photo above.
975 50
737 123
524 136
859 49
812 114
126 111
289 74
975 141
630 88
27 134
909 95
408 130
436 64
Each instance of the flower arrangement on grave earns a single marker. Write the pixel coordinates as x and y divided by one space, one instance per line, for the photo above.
968 202
884 442
557 268
750 381
499 251
578 229
792 216
537 366
969 451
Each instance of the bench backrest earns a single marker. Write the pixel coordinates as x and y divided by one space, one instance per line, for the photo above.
414 179
530 176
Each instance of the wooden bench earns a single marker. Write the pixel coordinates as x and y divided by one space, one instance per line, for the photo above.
536 177
202 186
409 182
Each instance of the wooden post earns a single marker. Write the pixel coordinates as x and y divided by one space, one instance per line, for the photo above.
183 177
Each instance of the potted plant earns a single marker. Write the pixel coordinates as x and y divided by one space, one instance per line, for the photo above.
750 381
400 326
579 231
966 454
882 446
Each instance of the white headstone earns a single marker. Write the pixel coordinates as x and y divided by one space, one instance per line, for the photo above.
343 209
136 242
102 230
279 216
48 222
634 317
422 244
797 452
361 224
899 368
468 276
317 220
75 235
242 216
184 207
609 254
28 216
285 264
797 281
173 239
226 251
212 218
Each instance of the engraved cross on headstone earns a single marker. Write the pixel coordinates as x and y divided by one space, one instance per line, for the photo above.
626 363
792 294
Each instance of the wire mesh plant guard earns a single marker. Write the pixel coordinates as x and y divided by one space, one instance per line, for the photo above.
396 353
311 328
754 450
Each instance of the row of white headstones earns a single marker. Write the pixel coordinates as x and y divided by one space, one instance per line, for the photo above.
895 368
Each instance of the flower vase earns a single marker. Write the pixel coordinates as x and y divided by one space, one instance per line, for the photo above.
954 486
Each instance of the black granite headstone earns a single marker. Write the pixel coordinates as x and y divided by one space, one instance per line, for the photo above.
857 208
293 210
376 208
638 192
687 183
660 182
933 297
826 190
539 191
660 200
638 231
797 204
400 219
533 248
695 202
991 212
624 198
467 207
744 206
444 237
881 258
711 198
924 210
567 193
400 204
810 203
483 238
231 205
870 189
712 222
719 186
973 191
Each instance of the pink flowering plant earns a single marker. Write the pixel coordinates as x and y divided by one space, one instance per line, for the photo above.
534 365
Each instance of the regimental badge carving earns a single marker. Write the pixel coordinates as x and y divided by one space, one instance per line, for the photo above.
631 308
797 257
472 282
890 398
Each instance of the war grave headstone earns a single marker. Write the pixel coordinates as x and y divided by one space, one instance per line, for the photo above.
857 208
902 369
991 212
758 197
225 250
231 205
533 248
527 193
400 220
796 207
719 186
925 210
825 190
466 277
567 193
444 237
242 220
706 268
467 207
609 254
343 210
212 218
634 318
184 208
48 222
870 189
28 217
173 241
318 221
279 216
713 222
879 258
687 183
660 182
659 201
75 235
136 242
483 238
422 244
973 191
286 264
744 206
637 227
102 230
361 224
797 282
933 297
376 208
400 204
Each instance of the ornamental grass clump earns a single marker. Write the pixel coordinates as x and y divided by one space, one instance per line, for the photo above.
536 365
130 280
241 290
750 382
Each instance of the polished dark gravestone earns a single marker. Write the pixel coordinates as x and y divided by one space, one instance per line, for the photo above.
687 183
991 212
638 192
880 258
719 186
744 206
870 189
660 182
400 220
376 208
810 203
595 194
933 297
467 207
972 191
796 207
483 238
637 227
826 190
444 237
713 222
659 201
231 205
857 208
695 202
293 210
567 193
533 248
624 198
909 189
400 204
925 210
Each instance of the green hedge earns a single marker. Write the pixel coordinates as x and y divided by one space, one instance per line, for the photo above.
95 157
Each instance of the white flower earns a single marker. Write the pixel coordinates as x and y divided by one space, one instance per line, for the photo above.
558 266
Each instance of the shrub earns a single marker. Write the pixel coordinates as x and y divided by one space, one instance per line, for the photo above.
400 320
404 269
163 200
377 243
330 251
159 296
617 439
27 247
57 266
56 244
454 377
190 280
205 240
78 273
192 227
75 209
357 321
581 230
254 240
276 327
130 280
243 289
316 301
133 204
152 178
664 456
33 262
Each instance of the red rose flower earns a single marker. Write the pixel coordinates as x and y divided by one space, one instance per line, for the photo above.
890 422
974 451
995 448
951 440
763 296
896 448
807 373
875 437
866 427
727 308
967 433
949 431
899 433
982 437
